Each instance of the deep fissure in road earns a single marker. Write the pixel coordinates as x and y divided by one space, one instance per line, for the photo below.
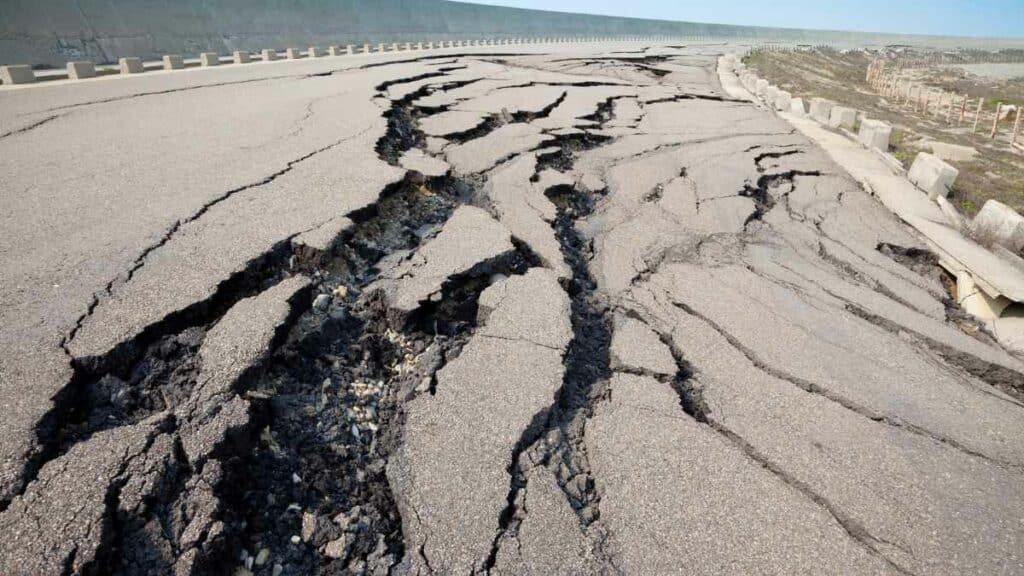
555 437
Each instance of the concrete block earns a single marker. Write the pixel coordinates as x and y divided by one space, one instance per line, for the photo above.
209 59
380 47
293 53
19 74
80 70
430 45
821 110
269 55
131 65
394 47
770 94
932 175
173 62
408 46
335 51
419 45
842 117
783 101
796 106
997 223
975 301
875 134
366 48
350 49
241 57
315 52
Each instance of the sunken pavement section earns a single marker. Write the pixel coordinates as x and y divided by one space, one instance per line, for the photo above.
517 313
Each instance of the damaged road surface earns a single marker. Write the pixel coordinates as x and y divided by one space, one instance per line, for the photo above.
566 312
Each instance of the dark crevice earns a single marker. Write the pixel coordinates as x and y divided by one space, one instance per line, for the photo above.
687 387
555 436
813 388
762 195
1004 379
31 126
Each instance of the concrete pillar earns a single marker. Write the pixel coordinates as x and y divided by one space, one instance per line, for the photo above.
19 74
875 134
131 65
783 101
350 49
209 59
821 110
430 45
932 175
80 70
293 53
366 48
335 50
269 55
796 106
842 117
408 46
241 57
315 52
1000 224
419 45
173 62
380 47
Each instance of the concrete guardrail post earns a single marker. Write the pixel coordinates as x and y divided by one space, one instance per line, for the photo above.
81 70
17 74
130 65
293 53
241 57
315 52
173 62
268 55
209 59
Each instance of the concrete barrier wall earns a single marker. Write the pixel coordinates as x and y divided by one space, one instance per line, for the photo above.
52 32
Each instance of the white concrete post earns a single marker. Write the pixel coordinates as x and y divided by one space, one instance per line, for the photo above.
209 59
315 52
80 70
350 49
293 53
173 62
241 57
18 74
268 55
130 65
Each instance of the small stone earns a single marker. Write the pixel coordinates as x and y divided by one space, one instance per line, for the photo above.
296 539
276 570
337 548
321 302
262 556
341 291
308 526
295 478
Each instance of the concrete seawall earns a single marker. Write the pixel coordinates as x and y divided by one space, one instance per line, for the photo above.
52 32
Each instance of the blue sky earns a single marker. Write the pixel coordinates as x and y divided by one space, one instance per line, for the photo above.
1002 18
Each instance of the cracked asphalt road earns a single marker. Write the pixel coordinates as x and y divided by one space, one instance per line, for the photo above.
566 310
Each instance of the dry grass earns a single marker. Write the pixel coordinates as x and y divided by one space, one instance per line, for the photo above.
995 172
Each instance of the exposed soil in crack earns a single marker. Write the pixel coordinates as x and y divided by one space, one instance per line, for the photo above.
768 188
687 387
555 437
